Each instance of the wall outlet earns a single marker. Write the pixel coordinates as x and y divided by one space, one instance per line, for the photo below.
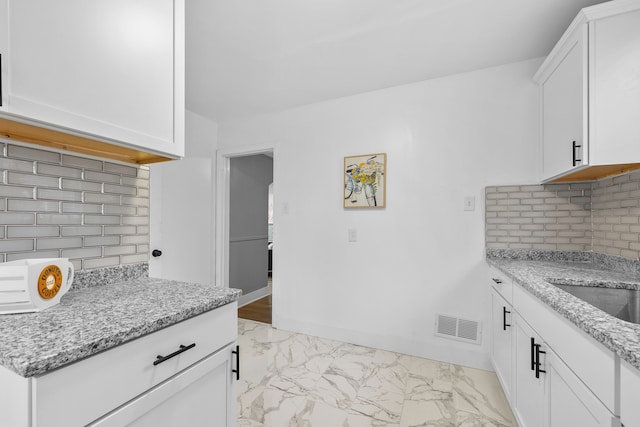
353 235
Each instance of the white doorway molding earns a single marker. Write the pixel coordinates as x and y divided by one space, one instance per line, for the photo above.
223 171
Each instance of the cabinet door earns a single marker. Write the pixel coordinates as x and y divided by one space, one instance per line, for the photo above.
614 91
101 67
501 340
629 392
4 52
570 402
529 392
564 110
202 395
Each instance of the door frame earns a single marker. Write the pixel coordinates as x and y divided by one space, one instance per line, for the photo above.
223 161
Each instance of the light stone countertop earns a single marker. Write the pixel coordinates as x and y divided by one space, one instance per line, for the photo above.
90 319
530 269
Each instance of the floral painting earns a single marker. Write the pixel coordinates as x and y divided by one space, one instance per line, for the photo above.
364 181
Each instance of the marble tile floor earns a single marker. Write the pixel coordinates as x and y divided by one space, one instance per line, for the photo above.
296 380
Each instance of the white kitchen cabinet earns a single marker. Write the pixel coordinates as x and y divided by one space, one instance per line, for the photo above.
501 339
563 141
112 70
528 401
629 392
200 396
559 376
195 386
590 96
4 48
548 393
569 402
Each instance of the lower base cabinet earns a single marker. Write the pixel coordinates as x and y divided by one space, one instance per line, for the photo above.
529 392
569 401
199 396
182 375
544 390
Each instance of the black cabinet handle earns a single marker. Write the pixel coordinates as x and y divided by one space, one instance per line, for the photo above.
538 364
504 318
533 354
237 370
575 157
498 281
156 253
183 348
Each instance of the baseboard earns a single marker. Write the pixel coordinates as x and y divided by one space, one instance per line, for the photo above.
437 349
253 296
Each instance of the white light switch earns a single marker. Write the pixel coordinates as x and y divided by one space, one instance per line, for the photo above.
469 203
353 235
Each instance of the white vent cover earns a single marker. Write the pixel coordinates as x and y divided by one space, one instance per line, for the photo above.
458 329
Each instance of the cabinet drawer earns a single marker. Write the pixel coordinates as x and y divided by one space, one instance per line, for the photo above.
501 284
591 361
109 379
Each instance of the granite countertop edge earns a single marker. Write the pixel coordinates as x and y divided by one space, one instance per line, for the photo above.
90 320
529 269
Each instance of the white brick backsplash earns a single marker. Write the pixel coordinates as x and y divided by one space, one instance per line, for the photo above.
59 205
17 245
18 178
81 162
601 216
13 191
46 193
32 205
60 219
14 232
17 218
81 208
73 184
60 171
102 177
20 152
120 169
61 243
82 231
16 165
102 219
101 240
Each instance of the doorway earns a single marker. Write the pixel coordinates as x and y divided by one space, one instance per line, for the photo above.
244 224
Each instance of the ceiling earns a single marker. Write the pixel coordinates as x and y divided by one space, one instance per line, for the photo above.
247 57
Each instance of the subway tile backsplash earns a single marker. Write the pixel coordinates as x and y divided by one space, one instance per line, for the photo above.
601 216
59 205
550 217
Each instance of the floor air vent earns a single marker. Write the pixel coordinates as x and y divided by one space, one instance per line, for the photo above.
458 329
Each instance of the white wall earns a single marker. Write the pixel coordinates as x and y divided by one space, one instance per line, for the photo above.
182 210
445 139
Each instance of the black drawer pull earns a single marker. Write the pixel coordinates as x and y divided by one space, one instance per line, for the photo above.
533 354
538 364
183 348
504 318
498 281
237 370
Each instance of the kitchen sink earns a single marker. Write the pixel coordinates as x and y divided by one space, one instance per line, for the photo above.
621 303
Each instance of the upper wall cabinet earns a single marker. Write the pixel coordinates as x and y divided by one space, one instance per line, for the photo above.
109 70
590 96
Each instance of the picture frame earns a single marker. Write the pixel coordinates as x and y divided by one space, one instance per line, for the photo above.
365 180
